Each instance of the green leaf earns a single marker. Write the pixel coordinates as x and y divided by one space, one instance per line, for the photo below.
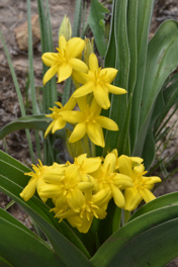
146 239
36 122
20 247
119 102
97 11
159 202
162 60
144 14
4 263
77 18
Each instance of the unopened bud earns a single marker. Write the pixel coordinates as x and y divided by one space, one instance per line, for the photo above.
65 28
88 50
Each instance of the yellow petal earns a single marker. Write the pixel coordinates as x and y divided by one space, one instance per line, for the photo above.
101 97
153 180
58 124
49 58
109 163
95 133
137 160
91 164
78 132
114 89
70 104
132 199
82 103
75 199
72 116
81 77
117 196
85 186
147 195
110 74
49 191
48 130
49 74
122 181
62 42
93 62
107 123
29 190
75 47
64 72
78 65
74 220
125 166
83 90
85 224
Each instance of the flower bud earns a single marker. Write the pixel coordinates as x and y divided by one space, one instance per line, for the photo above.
88 50
65 28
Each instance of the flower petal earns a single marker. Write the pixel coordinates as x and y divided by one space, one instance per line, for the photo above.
70 104
109 163
75 199
83 90
81 77
48 130
49 74
132 199
29 190
101 97
78 65
78 132
125 166
72 116
153 180
107 123
62 42
49 58
95 133
117 196
64 72
114 89
93 62
91 164
75 47
147 195
110 74
58 124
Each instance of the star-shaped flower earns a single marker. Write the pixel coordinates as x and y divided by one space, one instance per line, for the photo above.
142 184
97 81
56 115
66 60
89 122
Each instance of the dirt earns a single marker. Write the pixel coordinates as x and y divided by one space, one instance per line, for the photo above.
12 15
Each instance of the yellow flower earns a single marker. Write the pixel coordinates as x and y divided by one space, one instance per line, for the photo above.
85 166
110 181
66 60
92 207
56 115
66 190
88 121
142 185
97 81
35 182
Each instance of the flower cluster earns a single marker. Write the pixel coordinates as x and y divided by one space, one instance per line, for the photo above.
82 190
95 81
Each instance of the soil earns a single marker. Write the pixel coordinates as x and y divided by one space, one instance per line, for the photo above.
14 14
